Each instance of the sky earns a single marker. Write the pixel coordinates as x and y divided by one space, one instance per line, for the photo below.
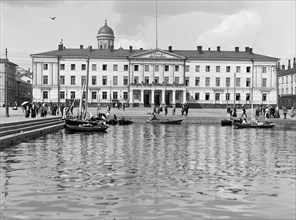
269 27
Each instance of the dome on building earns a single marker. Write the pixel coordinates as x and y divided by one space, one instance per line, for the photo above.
105 31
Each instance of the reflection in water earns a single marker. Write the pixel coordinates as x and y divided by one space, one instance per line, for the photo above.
151 172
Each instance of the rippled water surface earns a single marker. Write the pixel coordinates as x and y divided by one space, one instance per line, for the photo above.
152 172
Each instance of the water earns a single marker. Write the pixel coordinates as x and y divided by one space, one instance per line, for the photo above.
152 172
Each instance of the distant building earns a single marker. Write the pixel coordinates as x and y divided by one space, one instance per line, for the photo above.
18 90
138 77
287 85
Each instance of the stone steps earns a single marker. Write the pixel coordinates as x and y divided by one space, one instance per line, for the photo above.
15 132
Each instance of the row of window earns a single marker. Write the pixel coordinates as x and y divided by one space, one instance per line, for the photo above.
285 79
228 69
125 96
227 96
156 80
93 95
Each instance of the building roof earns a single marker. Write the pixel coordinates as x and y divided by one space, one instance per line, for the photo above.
105 31
8 62
125 53
287 71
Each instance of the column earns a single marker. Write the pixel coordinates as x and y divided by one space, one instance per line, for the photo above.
142 98
40 78
143 71
50 74
174 97
163 97
184 96
152 98
35 74
163 67
131 98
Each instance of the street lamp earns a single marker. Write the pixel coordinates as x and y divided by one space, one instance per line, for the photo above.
6 85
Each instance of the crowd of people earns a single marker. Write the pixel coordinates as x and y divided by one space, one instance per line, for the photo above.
262 111
158 109
43 109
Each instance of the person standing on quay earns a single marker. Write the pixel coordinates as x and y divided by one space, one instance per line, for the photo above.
285 111
277 112
244 111
174 110
165 110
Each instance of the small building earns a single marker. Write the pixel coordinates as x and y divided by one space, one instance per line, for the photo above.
287 85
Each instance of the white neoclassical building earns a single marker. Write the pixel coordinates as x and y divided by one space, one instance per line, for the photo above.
138 77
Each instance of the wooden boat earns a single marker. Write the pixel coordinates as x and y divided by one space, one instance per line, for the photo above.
125 121
87 127
254 125
229 122
112 121
226 122
84 122
164 121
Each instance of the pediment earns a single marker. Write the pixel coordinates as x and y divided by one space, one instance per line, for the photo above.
156 54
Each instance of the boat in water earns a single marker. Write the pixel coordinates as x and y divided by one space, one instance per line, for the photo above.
229 121
125 121
87 127
84 121
254 125
164 120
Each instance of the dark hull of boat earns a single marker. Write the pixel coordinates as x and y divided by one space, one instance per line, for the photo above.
164 121
125 122
73 121
239 125
92 128
112 122
226 122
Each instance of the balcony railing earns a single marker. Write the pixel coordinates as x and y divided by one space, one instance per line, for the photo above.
157 84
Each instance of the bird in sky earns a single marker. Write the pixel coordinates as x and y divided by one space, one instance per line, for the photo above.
52 18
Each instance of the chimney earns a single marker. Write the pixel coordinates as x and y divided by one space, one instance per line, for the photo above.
247 49
250 50
283 67
170 48
60 47
141 48
289 64
90 48
236 49
199 49
218 48
130 48
294 63
209 49
81 46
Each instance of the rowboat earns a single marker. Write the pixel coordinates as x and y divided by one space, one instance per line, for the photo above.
229 121
125 121
87 127
254 125
164 121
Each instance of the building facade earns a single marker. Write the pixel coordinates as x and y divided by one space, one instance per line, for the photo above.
287 85
7 82
138 77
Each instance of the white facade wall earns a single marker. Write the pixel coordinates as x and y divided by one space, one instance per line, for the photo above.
269 89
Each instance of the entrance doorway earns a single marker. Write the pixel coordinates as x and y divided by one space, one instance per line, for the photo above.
146 100
167 98
156 99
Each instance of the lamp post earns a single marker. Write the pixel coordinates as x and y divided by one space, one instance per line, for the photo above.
234 91
110 93
87 79
6 85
